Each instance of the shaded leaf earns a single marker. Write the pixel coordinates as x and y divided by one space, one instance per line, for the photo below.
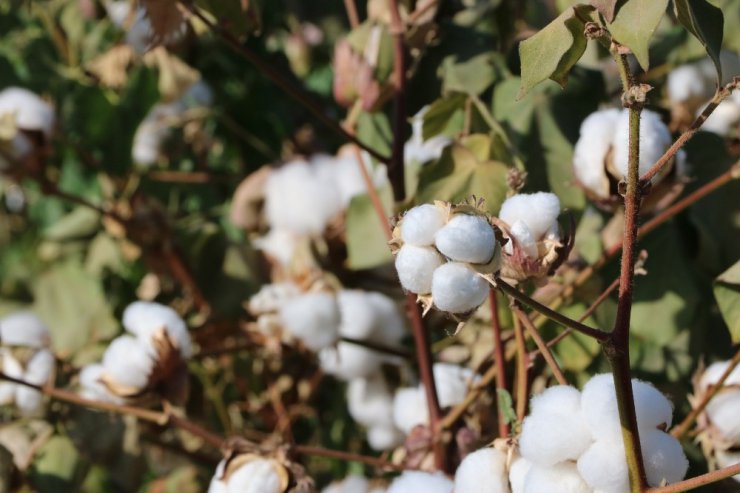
705 22
607 8
81 222
367 245
552 52
635 24
55 467
505 405
471 76
727 293
444 116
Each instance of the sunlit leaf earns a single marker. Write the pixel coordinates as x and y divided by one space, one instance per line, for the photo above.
634 25
705 21
727 292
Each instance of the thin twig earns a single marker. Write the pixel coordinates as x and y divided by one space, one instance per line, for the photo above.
704 479
346 456
351 8
544 350
400 125
499 363
522 364
372 192
376 346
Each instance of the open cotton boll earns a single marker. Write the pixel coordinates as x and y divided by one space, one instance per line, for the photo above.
357 316
653 409
416 266
279 244
390 322
419 150
518 473
369 400
152 132
686 83
456 288
347 361
384 437
589 154
663 457
549 437
524 239
92 387
300 199
344 171
144 318
727 458
257 476
31 112
354 483
723 411
421 482
23 328
466 238
420 224
410 408
560 478
723 119
483 471
539 211
603 466
38 371
715 371
452 382
557 399
128 362
271 297
654 140
12 368
313 318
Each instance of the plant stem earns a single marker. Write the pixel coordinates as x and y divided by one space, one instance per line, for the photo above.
351 8
372 192
400 125
704 479
544 350
498 360
346 456
522 363
376 346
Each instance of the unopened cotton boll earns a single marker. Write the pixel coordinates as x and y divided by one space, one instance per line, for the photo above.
589 154
128 362
663 457
410 408
483 471
23 328
416 266
31 112
723 411
456 288
560 478
313 318
420 224
467 238
421 482
538 211
145 318
347 360
654 140
603 466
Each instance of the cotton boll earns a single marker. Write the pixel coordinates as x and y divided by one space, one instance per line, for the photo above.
663 457
217 484
92 387
40 367
410 408
539 211
726 458
31 112
560 478
384 437
416 266
452 382
28 400
152 132
518 473
421 482
715 371
419 150
687 82
483 471
390 323
369 400
117 11
557 399
279 244
603 466
256 476
723 413
313 318
347 361
354 483
357 316
467 238
589 154
420 224
549 437
524 239
653 409
723 119
23 328
654 140
12 368
456 288
271 297
144 318
128 362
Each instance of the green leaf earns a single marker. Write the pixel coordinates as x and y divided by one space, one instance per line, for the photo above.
635 24
458 174
374 129
552 52
607 8
444 116
705 22
727 293
471 76
79 223
505 405
367 246
56 465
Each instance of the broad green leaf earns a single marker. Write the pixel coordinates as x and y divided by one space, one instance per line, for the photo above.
471 76
374 129
458 174
552 52
727 293
79 223
444 116
56 466
607 8
635 24
706 23
367 245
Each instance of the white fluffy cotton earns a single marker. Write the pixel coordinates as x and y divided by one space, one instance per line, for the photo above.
483 471
370 400
144 318
410 408
152 132
589 155
354 483
654 140
723 411
313 318
384 437
723 119
467 238
715 371
531 218
271 297
280 244
128 362
456 288
31 112
561 478
663 457
416 266
256 476
603 466
687 82
419 150
420 224
23 328
518 473
347 360
421 482
92 387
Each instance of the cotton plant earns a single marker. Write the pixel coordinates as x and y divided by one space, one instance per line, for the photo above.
27 122
25 354
149 359
601 154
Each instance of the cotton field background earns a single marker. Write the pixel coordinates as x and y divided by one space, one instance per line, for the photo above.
399 246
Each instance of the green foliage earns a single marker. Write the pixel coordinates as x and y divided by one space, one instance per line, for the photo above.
705 21
634 25
727 292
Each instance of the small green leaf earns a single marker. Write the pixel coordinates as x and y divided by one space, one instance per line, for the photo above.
470 76
505 405
705 22
444 116
552 52
79 223
727 293
635 24
56 465
367 246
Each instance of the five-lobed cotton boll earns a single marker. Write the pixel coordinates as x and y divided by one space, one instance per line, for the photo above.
482 471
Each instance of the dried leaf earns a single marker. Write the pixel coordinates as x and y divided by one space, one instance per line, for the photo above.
167 18
111 67
175 76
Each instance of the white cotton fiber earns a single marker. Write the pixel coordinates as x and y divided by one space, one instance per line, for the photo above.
524 240
724 413
518 473
723 119
91 386
40 367
539 211
128 362
390 323
313 318
561 478
557 399
369 400
416 148
415 266
23 328
727 458
604 467
421 482
653 409
12 368
152 132
483 471
256 476
384 437
280 244
354 483
31 112
420 224
358 319
467 238
271 297
549 437
410 408
145 318
347 360
456 288
452 382
715 371
687 82
663 457
589 155
654 140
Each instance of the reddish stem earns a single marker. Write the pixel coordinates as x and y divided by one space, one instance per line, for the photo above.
498 360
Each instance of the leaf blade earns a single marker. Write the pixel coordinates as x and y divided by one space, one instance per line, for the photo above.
635 24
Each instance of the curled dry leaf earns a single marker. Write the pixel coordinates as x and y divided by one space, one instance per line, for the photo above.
111 67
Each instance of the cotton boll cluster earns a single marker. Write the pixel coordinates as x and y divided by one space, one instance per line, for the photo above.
417 150
28 115
535 248
443 253
693 84
150 358
353 483
156 127
25 355
720 421
572 440
600 158
421 482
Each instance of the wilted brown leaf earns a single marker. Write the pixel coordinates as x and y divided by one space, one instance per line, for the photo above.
167 18
111 68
